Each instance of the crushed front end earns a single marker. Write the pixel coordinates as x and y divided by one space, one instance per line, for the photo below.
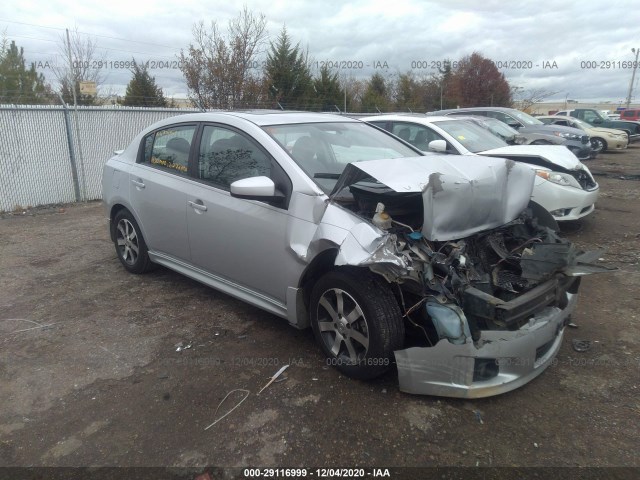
490 311
485 292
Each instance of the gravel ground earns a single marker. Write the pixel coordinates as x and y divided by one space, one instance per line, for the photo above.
91 376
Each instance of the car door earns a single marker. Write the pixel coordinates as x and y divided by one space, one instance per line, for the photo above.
158 182
242 241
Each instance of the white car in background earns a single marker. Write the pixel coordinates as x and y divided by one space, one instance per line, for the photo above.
564 186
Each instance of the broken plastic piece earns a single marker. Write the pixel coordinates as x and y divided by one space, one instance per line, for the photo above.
181 346
478 416
581 345
277 374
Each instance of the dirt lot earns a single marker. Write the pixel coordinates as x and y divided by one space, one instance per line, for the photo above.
99 381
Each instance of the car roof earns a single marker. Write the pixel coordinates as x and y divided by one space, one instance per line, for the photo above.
406 117
263 117
472 109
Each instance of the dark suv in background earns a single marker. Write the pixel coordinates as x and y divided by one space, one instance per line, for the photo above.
574 139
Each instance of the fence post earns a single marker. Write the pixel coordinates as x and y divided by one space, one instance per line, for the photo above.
72 154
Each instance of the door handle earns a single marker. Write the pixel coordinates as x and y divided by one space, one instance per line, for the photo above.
198 206
138 183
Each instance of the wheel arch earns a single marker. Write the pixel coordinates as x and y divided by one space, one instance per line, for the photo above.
321 264
115 209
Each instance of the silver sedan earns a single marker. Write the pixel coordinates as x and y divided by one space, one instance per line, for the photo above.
444 267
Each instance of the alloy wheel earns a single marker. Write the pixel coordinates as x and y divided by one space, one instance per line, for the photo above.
127 240
343 326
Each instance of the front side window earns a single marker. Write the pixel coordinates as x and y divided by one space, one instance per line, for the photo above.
169 148
226 156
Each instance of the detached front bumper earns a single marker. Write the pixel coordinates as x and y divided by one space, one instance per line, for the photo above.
499 362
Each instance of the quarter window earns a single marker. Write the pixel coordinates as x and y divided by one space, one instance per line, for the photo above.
169 148
226 156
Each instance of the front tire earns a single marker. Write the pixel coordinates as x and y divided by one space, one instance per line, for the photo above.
357 321
598 145
540 142
130 245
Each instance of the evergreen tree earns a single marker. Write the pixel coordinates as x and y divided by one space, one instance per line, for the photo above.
288 74
17 83
376 96
142 90
328 90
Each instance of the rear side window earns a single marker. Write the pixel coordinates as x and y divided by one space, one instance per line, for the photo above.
417 135
169 148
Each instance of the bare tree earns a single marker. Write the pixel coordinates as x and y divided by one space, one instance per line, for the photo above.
217 66
81 64
528 98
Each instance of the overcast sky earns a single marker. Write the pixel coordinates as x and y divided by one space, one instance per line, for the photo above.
583 44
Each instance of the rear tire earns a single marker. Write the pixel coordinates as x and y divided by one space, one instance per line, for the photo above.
130 245
357 321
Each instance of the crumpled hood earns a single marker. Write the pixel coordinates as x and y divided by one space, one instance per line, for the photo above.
556 154
461 195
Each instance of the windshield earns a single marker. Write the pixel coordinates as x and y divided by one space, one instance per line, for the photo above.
323 150
525 118
581 124
472 137
498 128
601 115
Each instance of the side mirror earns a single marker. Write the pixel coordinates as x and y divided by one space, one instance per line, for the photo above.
438 146
256 188
514 125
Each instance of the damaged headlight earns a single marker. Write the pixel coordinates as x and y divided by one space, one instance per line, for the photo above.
559 178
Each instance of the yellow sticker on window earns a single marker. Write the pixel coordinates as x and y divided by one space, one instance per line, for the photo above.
461 137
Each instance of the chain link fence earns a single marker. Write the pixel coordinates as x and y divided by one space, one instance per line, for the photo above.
55 154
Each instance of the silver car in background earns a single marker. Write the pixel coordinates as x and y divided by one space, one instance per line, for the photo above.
444 266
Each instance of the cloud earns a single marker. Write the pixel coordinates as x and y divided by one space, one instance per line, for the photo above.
400 33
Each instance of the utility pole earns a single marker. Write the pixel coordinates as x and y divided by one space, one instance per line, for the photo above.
72 79
73 82
633 75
